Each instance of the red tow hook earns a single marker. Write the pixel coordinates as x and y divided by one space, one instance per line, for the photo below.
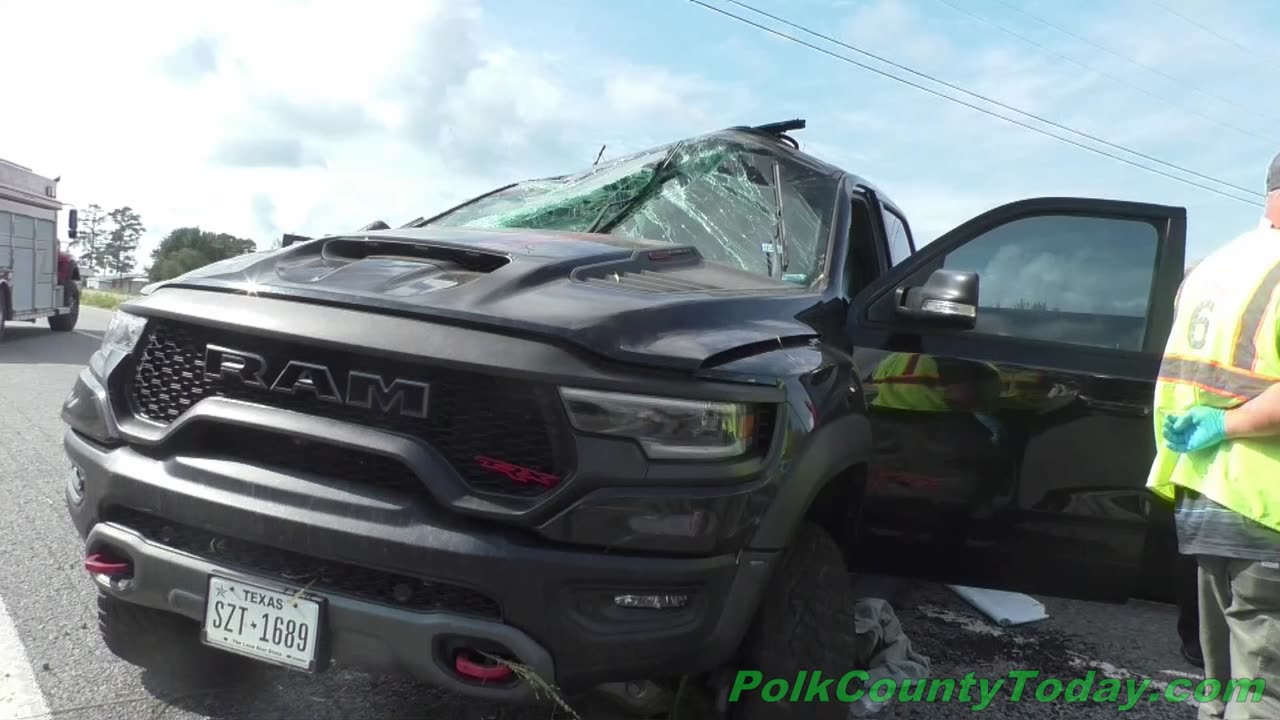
100 564
469 668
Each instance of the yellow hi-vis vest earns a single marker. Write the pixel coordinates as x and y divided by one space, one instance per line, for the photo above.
908 381
1222 351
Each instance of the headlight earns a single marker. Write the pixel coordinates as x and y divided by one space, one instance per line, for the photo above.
667 428
124 332
118 341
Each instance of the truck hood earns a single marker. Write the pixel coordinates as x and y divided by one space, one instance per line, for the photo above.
635 301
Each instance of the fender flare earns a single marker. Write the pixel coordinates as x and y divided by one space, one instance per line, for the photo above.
827 452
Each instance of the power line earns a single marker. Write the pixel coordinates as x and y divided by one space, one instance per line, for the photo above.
993 101
1129 60
979 108
1247 50
1103 73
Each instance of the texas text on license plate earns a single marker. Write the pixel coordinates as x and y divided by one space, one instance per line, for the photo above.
264 624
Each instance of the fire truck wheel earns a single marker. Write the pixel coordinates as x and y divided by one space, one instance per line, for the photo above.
67 323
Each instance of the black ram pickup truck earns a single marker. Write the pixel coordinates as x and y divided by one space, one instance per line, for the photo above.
624 426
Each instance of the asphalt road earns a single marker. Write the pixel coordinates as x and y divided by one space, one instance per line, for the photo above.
56 666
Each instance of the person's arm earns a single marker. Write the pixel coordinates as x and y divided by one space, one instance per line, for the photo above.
1257 418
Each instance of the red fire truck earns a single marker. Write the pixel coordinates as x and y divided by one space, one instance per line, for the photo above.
37 278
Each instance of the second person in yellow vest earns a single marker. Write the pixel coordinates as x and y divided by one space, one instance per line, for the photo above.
1217 424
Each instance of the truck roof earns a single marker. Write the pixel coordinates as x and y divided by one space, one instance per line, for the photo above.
21 184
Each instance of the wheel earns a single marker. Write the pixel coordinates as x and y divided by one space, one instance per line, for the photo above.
162 642
67 323
805 622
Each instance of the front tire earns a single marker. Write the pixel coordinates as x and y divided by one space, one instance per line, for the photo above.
67 323
805 622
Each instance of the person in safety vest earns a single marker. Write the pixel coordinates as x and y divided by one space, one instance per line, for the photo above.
1217 424
925 383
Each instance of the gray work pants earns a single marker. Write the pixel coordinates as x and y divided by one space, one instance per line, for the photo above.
1240 636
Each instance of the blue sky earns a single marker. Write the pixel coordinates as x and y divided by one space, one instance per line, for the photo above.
296 116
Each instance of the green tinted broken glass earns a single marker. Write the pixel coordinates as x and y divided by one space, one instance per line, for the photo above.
714 194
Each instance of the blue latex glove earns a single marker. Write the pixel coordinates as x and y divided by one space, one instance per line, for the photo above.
1199 428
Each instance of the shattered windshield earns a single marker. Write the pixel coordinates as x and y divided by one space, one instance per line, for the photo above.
716 194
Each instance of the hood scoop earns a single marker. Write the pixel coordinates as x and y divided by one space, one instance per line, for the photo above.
679 269
339 250
645 281
387 267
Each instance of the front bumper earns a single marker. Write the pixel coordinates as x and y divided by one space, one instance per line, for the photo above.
364 634
552 605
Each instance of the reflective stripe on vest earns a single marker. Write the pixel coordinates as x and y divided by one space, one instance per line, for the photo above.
910 375
1246 345
908 381
1228 382
1239 380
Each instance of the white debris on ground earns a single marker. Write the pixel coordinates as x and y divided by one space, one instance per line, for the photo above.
1005 608
1135 642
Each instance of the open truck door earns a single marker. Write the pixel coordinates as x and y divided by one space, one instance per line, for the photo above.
1010 368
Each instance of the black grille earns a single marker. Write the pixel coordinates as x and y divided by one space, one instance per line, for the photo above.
470 416
323 575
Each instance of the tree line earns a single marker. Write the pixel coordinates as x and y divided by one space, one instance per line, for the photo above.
107 243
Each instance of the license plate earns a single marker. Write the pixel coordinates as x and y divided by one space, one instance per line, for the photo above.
265 624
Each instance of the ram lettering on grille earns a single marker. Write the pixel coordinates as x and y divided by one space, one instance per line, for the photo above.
363 390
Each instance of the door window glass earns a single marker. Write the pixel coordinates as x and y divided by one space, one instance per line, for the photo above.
895 230
1064 278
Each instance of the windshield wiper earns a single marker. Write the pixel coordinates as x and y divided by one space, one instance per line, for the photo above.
779 247
664 170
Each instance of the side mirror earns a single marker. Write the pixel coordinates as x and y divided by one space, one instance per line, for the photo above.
289 239
949 298
72 218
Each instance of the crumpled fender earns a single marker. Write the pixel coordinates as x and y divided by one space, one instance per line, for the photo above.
828 451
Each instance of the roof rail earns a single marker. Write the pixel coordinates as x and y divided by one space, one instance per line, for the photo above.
782 127
779 130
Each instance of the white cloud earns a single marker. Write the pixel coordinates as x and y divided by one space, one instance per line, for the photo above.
308 117
892 27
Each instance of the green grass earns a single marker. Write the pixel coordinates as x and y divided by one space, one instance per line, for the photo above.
103 298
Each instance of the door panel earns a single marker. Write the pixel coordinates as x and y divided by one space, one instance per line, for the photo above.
6 241
46 264
1014 454
24 270
24 262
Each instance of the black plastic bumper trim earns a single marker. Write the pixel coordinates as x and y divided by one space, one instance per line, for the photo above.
365 635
